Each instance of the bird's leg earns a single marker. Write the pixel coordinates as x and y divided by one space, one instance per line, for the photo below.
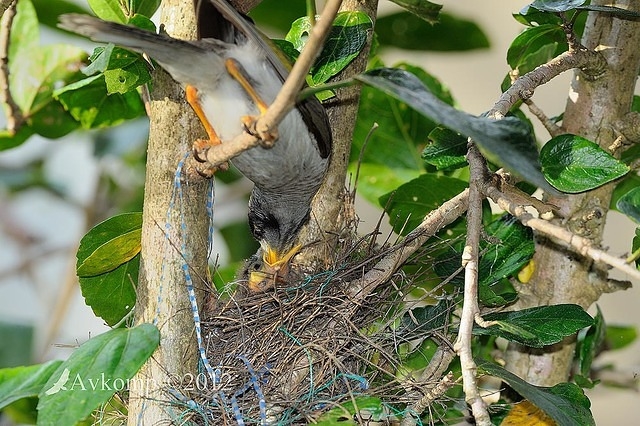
235 70
201 146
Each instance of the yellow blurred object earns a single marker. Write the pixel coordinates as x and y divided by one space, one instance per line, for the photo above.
527 414
526 272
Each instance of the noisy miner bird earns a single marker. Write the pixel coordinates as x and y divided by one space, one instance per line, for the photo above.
227 78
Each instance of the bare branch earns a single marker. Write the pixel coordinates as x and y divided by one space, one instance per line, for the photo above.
286 98
591 62
581 245
552 127
14 114
470 309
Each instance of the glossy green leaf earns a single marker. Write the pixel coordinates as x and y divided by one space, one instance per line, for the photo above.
407 31
409 204
144 7
574 164
446 149
507 142
376 180
22 382
513 249
533 17
345 40
109 10
109 244
619 337
565 403
629 204
112 295
535 46
556 5
422 8
589 347
25 35
635 246
344 414
629 182
402 130
537 327
94 372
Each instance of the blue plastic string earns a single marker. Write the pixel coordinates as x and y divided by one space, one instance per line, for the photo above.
185 268
255 381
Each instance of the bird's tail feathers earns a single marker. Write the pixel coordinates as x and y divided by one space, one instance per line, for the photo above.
158 46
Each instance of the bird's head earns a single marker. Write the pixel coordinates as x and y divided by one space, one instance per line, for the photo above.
276 226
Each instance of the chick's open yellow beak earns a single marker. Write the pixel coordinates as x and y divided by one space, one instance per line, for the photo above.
275 268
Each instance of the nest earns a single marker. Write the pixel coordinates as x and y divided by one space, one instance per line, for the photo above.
289 355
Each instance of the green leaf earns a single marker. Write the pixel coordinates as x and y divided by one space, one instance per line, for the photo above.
424 320
9 140
88 102
376 180
410 203
508 142
626 184
25 36
23 382
535 46
346 39
109 244
94 372
537 327
589 346
343 415
565 402
112 295
574 164
629 204
446 150
407 31
421 8
109 10
144 7
402 130
612 10
556 5
513 250
618 337
48 11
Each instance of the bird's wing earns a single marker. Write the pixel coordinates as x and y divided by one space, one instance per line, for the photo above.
230 26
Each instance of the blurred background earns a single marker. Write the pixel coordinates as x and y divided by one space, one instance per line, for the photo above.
52 192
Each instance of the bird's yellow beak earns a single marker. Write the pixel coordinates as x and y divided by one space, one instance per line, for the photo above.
274 269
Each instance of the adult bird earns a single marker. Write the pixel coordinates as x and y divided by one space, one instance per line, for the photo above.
229 76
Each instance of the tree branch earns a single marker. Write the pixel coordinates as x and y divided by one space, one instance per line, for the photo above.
581 245
286 99
470 308
14 114
591 62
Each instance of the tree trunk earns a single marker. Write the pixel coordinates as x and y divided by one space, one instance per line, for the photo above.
332 216
162 296
593 107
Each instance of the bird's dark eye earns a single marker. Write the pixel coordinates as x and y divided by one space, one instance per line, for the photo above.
260 223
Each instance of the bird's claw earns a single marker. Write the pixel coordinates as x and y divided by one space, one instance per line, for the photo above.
204 168
267 138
